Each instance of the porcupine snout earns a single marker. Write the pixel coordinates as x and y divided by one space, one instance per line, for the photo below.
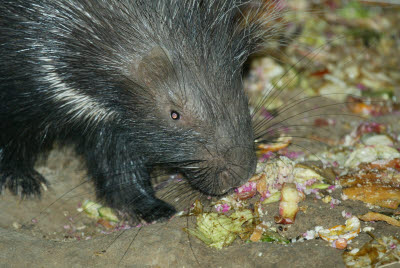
225 169
239 165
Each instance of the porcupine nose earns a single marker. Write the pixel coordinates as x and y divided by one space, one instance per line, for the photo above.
240 166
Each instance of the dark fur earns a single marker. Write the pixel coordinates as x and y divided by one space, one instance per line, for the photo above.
106 74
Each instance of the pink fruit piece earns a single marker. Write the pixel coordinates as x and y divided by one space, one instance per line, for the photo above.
289 204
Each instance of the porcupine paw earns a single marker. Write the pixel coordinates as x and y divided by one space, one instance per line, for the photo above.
26 183
157 211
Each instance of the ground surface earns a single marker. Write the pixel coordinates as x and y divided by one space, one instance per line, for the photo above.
158 245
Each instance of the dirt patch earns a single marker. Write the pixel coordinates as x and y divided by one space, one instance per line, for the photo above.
47 243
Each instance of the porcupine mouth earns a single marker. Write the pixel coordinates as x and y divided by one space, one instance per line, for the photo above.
223 174
213 189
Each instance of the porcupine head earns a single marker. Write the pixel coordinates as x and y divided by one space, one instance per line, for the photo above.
190 110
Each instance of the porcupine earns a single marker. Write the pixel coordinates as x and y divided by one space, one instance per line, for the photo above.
133 84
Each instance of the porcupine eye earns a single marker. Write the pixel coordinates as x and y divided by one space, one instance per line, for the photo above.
175 115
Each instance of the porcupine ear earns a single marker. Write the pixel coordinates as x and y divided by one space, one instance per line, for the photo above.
155 68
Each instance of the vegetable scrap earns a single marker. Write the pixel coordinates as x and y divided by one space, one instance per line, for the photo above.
281 143
105 216
273 174
376 195
379 252
340 235
377 183
365 107
273 237
374 216
218 230
97 211
289 203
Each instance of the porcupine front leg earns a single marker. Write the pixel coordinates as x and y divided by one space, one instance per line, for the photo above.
124 184
17 158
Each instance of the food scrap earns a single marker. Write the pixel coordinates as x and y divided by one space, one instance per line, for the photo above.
376 253
104 215
377 183
374 216
273 174
218 230
340 235
289 204
280 144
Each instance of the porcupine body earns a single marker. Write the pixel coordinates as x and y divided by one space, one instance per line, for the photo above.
133 85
